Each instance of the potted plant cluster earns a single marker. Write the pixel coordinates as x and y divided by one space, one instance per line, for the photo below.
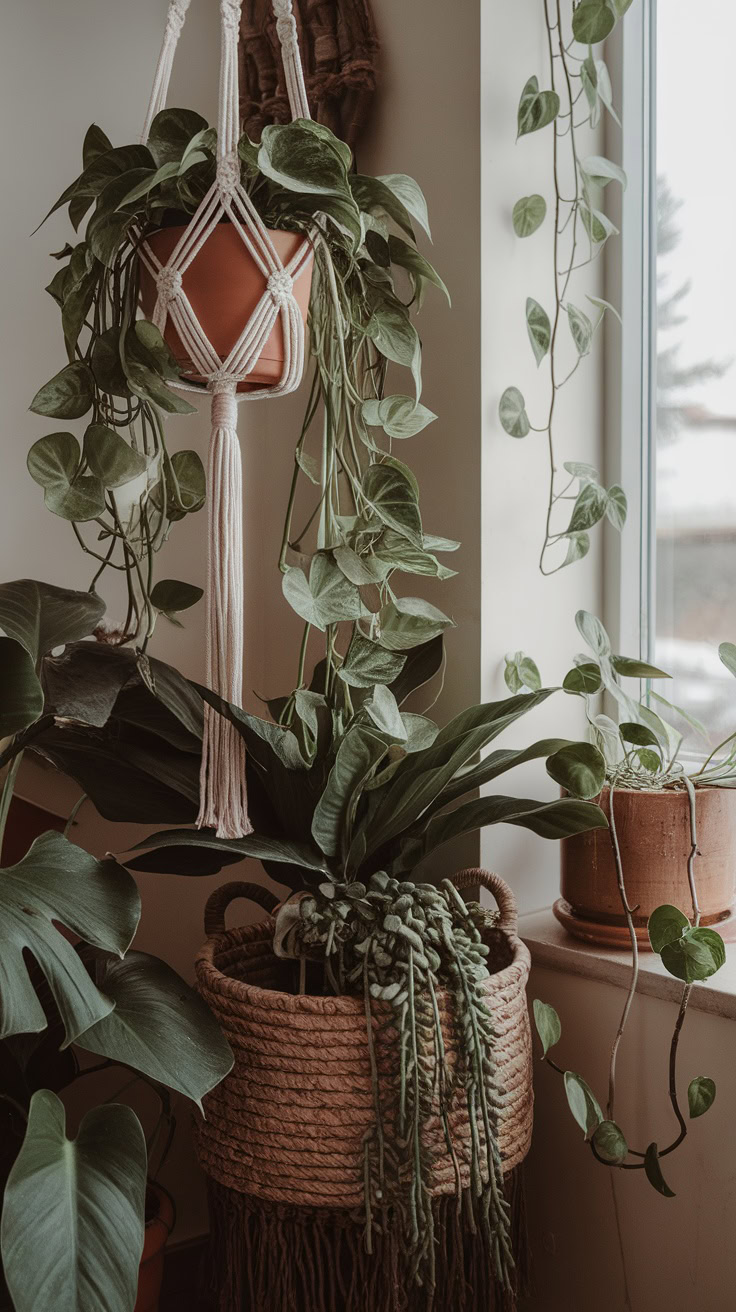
348 789
663 877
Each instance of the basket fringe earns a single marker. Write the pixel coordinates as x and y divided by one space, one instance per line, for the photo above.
269 1257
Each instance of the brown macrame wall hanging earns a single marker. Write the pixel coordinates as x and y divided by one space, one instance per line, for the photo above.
339 47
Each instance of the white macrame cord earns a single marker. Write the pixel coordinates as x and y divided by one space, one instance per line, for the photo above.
223 797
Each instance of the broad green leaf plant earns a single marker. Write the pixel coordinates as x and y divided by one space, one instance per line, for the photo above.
349 789
641 751
561 330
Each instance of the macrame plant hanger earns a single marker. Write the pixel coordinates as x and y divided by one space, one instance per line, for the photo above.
223 798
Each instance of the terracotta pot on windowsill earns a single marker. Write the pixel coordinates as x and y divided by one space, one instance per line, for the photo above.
224 285
653 831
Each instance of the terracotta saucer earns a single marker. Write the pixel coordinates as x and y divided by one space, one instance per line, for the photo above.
604 935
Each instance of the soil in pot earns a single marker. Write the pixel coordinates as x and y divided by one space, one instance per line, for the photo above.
653 831
224 285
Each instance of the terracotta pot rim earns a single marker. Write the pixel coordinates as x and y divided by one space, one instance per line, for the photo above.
225 222
662 792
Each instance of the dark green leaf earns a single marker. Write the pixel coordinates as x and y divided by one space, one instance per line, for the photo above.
579 768
409 195
638 734
357 757
40 616
399 416
21 695
391 491
592 22
696 956
666 924
95 143
583 1103
172 596
57 881
293 156
185 484
157 1019
68 395
409 258
654 1172
547 1024
701 1094
637 669
72 1225
589 508
171 132
372 194
410 622
610 1143
367 664
148 384
107 366
584 678
110 458
168 851
327 597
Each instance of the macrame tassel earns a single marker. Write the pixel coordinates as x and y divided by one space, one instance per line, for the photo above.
223 798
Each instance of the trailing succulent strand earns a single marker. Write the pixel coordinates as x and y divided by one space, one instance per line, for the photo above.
400 945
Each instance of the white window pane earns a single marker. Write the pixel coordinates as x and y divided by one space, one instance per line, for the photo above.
696 362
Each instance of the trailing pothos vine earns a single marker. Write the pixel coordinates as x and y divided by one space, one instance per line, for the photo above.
578 95
641 752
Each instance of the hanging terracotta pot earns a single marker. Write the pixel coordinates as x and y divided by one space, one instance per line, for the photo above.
224 285
653 831
159 1224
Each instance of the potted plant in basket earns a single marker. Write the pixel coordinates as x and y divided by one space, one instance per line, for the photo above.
662 879
348 790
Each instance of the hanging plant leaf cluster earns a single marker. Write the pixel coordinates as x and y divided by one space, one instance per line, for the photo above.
579 96
408 947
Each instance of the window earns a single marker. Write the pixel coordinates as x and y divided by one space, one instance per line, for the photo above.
680 260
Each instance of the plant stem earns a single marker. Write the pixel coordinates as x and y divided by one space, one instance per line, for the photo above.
634 955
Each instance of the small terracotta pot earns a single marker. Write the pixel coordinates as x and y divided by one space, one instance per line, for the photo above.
158 1228
224 285
653 831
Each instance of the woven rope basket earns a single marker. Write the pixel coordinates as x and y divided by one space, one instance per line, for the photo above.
287 1125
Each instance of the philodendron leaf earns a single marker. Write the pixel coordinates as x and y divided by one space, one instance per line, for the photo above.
578 768
589 508
171 596
171 131
727 653
160 1026
72 1223
697 955
547 1024
512 413
637 669
367 664
327 597
585 678
383 710
53 462
293 156
357 757
701 1094
593 632
68 395
581 329
40 616
410 622
196 852
98 900
582 1103
399 416
21 694
592 22
600 171
528 213
539 328
520 672
610 1143
597 225
391 492
617 507
654 1172
577 547
110 458
536 108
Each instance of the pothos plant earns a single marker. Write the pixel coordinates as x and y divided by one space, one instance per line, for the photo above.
348 790
561 332
642 751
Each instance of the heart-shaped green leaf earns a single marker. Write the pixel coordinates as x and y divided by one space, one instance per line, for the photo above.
582 1103
654 1172
665 925
512 413
536 108
157 1019
701 1094
172 596
68 395
579 768
72 1223
21 694
110 458
528 213
539 328
40 616
696 956
610 1143
547 1024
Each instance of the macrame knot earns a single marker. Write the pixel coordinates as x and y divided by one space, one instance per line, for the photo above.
175 17
228 171
224 406
230 10
280 285
286 31
168 283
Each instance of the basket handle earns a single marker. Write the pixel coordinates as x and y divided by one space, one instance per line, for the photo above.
219 901
505 900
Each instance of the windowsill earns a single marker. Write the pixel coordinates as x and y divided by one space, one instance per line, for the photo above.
554 949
